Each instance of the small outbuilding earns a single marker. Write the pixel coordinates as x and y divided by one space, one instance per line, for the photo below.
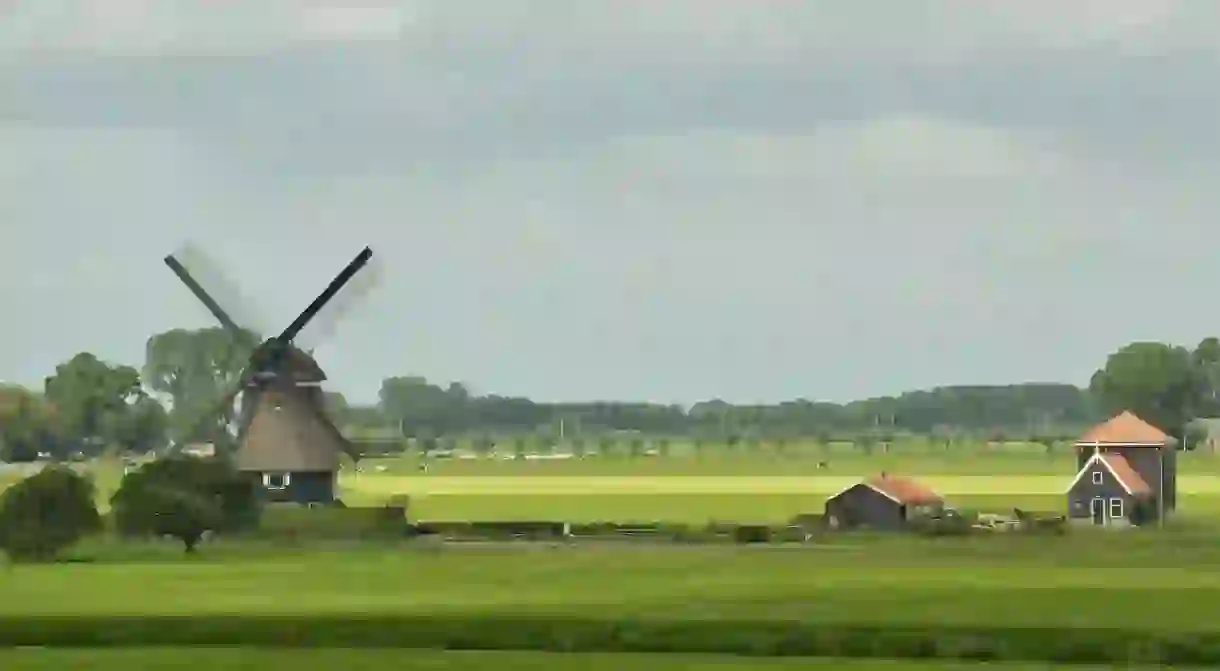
1126 474
882 502
1116 493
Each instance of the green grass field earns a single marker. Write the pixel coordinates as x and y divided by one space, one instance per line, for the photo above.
1147 580
718 485
420 660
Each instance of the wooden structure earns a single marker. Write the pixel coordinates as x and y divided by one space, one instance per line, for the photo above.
1126 474
285 441
882 502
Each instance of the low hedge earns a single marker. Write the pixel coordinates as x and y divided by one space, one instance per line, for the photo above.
561 633
492 530
295 522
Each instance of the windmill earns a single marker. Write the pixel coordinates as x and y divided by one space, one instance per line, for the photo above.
285 441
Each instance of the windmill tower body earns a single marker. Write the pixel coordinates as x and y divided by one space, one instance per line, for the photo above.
285 441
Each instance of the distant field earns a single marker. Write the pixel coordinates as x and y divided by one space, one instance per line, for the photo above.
239 659
717 484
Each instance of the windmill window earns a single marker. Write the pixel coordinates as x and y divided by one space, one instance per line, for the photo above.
275 480
1098 477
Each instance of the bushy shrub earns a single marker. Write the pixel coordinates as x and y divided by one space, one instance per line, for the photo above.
184 497
328 523
752 533
45 513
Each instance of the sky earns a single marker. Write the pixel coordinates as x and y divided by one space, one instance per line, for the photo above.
620 199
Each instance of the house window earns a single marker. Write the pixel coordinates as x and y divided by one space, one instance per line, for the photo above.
275 480
1116 509
1098 477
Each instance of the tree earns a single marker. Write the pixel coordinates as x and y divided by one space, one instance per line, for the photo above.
483 444
93 400
605 444
28 426
519 445
184 497
578 447
196 369
1160 383
636 445
663 446
45 513
781 446
142 427
1206 357
866 442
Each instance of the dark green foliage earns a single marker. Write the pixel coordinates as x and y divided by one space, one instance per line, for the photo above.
184 497
45 513
565 633
752 533
333 523
492 530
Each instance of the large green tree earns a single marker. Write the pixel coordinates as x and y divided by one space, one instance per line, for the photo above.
28 426
195 369
1159 382
94 401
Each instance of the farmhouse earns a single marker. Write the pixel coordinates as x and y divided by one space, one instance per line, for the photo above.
1126 474
881 502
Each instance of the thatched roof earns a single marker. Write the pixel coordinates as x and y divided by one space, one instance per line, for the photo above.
286 433
297 364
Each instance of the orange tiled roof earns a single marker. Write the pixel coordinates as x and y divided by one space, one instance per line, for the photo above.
1124 429
1127 475
903 489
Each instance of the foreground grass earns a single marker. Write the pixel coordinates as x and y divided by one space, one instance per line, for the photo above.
245 659
1095 581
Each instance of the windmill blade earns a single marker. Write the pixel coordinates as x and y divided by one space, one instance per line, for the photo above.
212 286
346 301
327 294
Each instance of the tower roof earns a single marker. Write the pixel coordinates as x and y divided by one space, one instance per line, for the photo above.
1125 430
286 433
296 364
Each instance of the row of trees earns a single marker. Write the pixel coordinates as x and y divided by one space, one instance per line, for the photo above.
182 497
88 404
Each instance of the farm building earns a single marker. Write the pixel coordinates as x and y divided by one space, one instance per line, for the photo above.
1126 473
880 502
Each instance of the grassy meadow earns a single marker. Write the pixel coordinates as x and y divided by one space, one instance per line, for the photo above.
1164 581
718 484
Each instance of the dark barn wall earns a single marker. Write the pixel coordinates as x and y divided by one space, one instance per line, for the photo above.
863 506
303 487
1085 491
1147 462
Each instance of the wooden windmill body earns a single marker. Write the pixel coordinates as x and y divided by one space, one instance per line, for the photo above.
285 441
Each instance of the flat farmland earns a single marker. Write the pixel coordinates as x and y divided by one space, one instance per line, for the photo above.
520 494
1109 583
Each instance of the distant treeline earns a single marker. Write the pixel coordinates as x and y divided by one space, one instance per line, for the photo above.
87 405
421 409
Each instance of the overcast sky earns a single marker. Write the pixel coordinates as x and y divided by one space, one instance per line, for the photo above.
622 199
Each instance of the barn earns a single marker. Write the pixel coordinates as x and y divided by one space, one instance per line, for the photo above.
883 502
1126 474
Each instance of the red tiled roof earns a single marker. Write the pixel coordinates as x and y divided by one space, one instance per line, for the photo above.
1128 476
1125 429
903 490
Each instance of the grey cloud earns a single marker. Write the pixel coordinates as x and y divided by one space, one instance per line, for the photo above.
370 108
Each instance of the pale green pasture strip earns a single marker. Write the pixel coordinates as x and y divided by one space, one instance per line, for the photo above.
593 485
